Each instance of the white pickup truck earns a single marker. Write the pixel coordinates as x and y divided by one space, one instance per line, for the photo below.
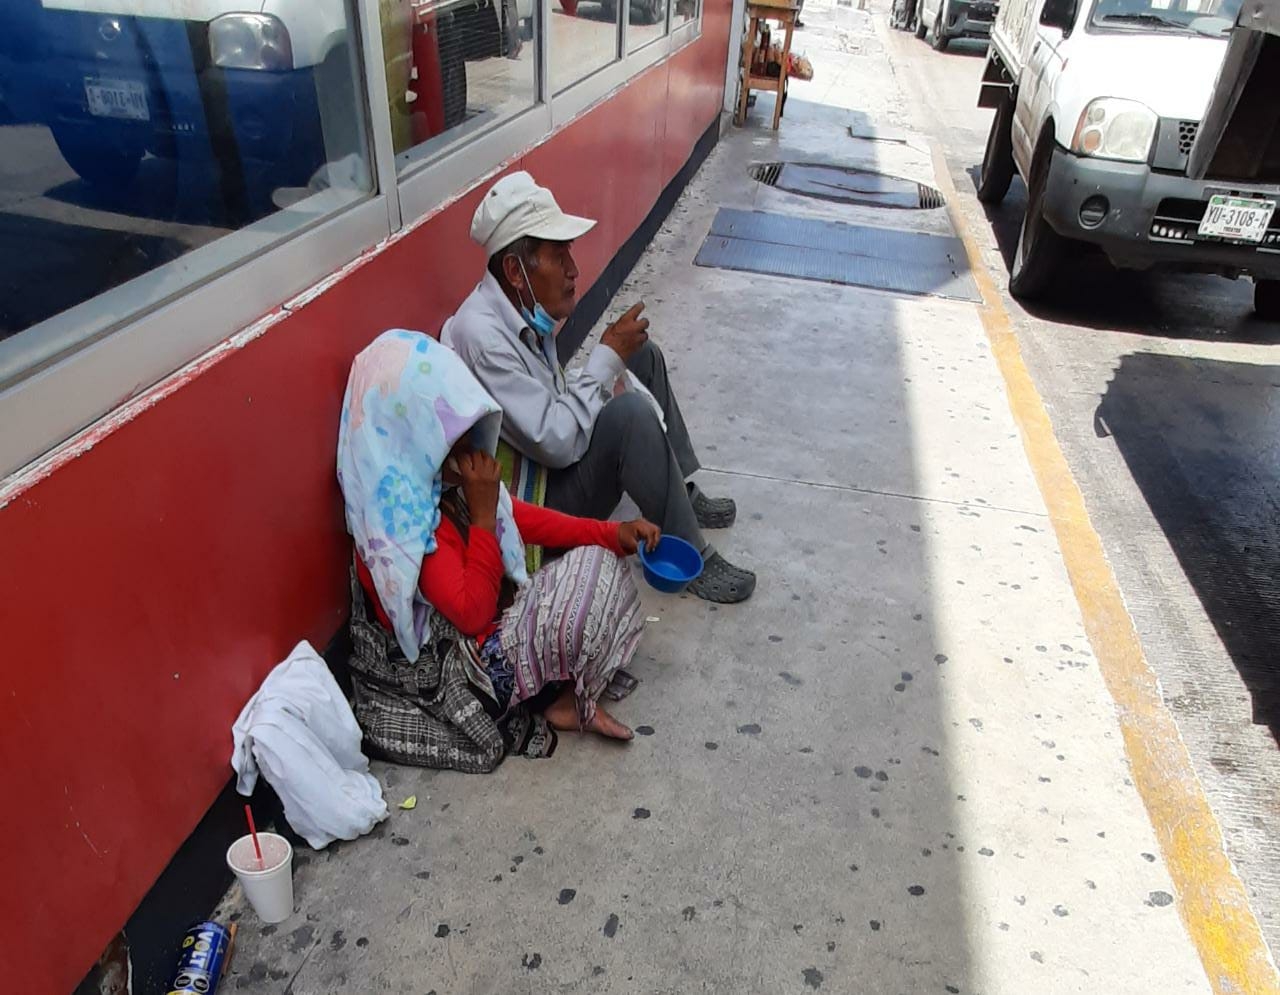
1097 104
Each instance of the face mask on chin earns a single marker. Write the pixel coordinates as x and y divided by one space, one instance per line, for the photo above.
537 318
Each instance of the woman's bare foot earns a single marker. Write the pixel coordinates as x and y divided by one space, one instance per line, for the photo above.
606 725
562 714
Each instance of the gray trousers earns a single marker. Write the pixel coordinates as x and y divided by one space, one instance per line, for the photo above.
629 453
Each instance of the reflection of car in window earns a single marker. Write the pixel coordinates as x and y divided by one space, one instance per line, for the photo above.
265 99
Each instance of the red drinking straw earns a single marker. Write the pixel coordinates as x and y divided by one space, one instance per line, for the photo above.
248 814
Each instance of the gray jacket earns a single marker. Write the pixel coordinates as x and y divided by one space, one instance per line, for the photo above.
546 415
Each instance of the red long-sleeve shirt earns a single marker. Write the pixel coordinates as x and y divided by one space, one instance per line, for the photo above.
463 580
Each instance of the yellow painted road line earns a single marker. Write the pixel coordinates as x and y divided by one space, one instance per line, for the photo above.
1210 896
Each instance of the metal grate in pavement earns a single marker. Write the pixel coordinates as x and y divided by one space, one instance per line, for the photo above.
847 185
858 255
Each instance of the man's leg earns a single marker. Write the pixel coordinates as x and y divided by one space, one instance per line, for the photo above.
650 367
628 453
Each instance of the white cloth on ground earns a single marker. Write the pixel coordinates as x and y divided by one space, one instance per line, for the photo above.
299 732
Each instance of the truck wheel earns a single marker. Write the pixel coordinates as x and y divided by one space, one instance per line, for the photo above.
1266 299
100 159
997 161
940 39
922 29
1040 249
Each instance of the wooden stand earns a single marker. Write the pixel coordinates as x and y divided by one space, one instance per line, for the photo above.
785 14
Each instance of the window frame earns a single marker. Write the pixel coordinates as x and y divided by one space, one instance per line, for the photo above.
95 357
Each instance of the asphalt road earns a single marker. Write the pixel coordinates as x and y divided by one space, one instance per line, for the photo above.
1164 393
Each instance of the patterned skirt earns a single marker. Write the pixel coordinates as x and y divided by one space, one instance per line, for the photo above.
577 620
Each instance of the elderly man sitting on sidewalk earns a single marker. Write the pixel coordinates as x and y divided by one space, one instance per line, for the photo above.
580 440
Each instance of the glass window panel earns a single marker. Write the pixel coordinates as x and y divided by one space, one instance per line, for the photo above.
455 68
132 140
584 39
648 22
683 11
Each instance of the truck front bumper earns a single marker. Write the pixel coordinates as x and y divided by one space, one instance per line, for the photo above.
1144 219
970 19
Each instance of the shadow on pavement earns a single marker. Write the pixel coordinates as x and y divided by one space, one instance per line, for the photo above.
1202 440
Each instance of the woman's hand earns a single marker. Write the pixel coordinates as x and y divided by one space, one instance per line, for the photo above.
481 478
632 534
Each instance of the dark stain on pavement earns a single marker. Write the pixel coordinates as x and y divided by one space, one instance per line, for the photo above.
791 679
337 941
531 962
644 730
611 925
750 729
1159 899
711 745
812 977
566 896
301 938
641 813
916 890
442 931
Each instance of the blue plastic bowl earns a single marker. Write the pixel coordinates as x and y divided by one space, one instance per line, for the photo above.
672 566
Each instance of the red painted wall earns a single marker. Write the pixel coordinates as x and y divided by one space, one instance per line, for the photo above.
151 582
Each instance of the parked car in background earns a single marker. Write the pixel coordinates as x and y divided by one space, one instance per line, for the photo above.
945 20
262 97
1098 103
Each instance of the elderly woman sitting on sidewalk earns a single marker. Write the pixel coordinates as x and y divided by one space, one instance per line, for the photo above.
453 639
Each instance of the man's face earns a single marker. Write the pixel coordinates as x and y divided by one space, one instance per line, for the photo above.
554 279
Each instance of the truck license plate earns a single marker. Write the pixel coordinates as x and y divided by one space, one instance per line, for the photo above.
1237 218
117 98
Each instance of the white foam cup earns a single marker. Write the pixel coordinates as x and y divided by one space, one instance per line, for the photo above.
268 884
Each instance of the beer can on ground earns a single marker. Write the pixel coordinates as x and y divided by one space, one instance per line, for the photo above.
200 961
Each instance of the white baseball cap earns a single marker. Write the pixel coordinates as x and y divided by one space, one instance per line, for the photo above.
516 206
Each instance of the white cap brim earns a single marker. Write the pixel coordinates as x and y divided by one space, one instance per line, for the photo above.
552 226
565 228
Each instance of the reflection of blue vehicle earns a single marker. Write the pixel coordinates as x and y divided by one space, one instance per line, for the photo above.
265 99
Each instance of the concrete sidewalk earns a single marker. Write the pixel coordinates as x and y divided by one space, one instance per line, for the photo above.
896 770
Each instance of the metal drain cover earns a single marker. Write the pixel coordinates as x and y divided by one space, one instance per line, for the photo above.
847 185
811 249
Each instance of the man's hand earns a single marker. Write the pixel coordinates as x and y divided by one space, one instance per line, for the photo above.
481 477
626 335
632 534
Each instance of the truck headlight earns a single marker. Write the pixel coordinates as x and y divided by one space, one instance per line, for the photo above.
250 41
1112 128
